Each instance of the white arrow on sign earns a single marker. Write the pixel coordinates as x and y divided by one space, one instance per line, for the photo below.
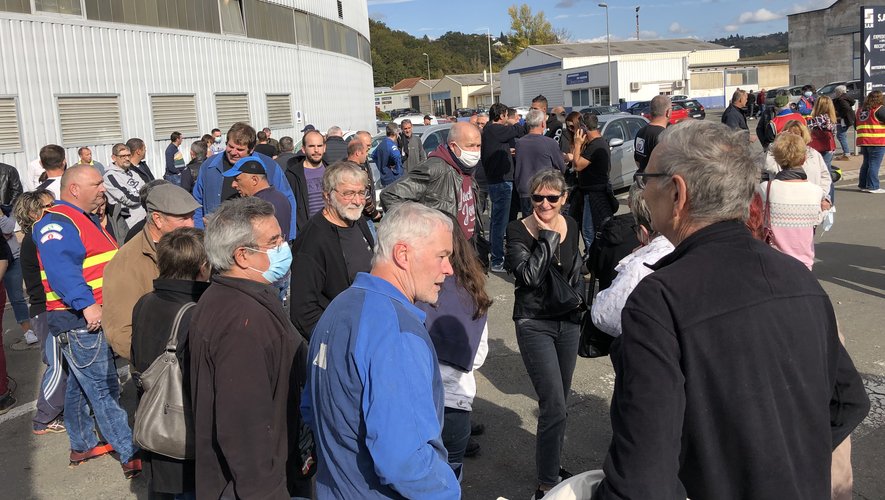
867 68
867 43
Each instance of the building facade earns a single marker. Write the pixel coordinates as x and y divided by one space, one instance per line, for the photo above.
825 44
97 72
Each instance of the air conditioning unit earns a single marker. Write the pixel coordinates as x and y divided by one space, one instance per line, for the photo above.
678 84
635 86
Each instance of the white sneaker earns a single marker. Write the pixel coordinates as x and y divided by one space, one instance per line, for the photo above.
31 337
875 191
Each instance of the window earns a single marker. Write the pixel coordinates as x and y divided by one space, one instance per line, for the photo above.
174 113
615 130
232 17
317 32
10 136
365 50
269 22
340 10
59 6
580 98
230 109
279 110
738 77
633 126
22 6
193 15
351 43
302 28
91 119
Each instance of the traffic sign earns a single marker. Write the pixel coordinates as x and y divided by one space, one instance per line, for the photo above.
872 21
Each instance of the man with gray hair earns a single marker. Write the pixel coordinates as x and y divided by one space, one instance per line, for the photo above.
242 351
534 152
336 148
332 248
374 396
410 146
722 384
647 137
387 156
735 116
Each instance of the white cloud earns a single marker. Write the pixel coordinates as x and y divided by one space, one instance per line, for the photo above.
678 28
759 16
731 28
562 16
648 35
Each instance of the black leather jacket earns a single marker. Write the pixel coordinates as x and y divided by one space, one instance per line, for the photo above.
10 185
530 262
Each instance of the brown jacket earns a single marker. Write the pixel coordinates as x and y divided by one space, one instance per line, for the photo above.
127 277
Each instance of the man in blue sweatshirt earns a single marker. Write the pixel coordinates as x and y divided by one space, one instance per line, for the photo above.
387 156
374 396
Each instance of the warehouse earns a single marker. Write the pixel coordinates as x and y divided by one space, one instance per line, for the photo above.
96 72
825 44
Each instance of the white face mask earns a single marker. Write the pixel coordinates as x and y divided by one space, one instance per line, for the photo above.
468 158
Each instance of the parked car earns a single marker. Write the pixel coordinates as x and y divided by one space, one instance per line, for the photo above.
602 110
620 130
465 112
679 97
795 94
677 114
431 136
417 119
639 107
853 88
394 113
695 109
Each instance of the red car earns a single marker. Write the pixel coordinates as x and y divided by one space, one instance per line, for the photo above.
678 114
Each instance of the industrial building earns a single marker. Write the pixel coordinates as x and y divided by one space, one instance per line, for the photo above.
96 72
825 44
577 75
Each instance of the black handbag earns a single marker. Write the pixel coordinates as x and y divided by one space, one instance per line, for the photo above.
562 299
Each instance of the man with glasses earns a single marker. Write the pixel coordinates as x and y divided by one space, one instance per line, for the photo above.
335 244
123 184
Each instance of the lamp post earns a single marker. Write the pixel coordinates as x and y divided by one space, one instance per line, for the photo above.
608 42
491 75
637 22
429 88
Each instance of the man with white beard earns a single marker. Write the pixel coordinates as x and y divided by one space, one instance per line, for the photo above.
332 248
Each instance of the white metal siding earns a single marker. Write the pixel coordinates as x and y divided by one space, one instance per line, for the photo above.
231 108
42 57
10 137
174 113
279 110
89 119
546 83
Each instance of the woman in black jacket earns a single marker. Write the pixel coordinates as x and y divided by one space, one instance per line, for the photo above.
184 274
542 253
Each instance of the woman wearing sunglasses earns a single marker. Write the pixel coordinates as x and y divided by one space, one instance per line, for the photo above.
542 253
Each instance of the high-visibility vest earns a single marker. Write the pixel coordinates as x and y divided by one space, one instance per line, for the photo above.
100 249
780 122
870 131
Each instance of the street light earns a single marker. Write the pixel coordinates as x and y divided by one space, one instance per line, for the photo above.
429 88
608 42
491 77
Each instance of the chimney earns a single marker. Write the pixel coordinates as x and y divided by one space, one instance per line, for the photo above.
485 77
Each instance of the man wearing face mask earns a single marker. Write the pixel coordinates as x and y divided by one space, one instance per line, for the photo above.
806 102
445 180
218 145
244 385
332 248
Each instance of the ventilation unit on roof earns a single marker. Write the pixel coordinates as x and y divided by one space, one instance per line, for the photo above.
678 84
635 86
340 10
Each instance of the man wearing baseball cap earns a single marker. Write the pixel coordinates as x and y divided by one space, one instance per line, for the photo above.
132 271
250 179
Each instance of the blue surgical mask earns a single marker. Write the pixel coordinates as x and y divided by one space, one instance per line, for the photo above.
280 260
808 94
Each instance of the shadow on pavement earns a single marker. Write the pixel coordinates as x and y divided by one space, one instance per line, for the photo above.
837 265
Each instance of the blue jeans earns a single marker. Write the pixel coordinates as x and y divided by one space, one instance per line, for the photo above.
455 434
13 281
51 400
549 350
499 193
93 383
869 169
842 137
828 160
587 229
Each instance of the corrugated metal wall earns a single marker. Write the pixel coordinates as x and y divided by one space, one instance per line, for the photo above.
42 57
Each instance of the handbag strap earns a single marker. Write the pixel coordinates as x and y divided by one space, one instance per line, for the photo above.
766 213
172 343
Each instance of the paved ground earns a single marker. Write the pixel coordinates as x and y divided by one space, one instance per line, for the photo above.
851 268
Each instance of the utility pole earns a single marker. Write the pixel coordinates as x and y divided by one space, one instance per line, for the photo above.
637 22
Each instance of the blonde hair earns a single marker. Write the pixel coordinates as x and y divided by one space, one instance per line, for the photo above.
788 151
797 127
824 106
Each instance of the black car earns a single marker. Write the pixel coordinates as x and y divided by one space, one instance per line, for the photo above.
639 108
695 109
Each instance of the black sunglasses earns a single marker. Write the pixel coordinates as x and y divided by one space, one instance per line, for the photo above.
552 198
640 177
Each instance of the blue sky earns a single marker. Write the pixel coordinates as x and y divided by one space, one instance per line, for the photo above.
585 21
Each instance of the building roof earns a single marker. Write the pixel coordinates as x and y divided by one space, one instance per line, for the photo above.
426 83
484 90
472 78
566 50
407 83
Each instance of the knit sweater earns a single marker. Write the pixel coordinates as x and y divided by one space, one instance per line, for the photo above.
795 210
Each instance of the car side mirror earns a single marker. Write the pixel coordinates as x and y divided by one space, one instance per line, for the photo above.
615 142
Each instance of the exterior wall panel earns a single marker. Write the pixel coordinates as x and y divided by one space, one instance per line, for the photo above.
43 57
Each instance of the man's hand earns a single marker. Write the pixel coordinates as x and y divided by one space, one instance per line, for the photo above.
825 205
92 314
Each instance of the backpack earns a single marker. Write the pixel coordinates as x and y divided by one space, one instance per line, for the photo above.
164 421
764 129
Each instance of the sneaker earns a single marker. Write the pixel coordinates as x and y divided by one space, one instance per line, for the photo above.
564 474
132 468
78 457
472 448
477 429
498 269
55 427
31 337
875 191
7 401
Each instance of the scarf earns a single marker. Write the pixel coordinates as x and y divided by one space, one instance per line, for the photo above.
465 200
791 174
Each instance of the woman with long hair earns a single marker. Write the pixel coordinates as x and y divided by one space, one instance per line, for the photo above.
542 253
822 127
458 327
870 126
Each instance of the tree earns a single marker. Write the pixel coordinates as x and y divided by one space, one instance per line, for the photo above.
527 29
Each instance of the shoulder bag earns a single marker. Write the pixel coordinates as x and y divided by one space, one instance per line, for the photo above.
164 421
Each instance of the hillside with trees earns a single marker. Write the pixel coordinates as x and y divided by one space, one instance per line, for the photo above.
753 46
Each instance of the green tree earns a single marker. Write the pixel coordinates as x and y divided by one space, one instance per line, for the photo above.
527 29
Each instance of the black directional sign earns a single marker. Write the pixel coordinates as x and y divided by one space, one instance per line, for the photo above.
872 59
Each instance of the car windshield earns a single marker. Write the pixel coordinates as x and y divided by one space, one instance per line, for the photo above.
828 89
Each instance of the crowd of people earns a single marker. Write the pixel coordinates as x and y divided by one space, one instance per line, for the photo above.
326 347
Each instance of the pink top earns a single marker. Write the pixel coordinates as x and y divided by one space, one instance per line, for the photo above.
795 210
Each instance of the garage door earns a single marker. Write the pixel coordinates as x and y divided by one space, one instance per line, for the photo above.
546 83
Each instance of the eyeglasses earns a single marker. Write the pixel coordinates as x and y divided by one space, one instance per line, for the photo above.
640 178
551 198
123 156
349 195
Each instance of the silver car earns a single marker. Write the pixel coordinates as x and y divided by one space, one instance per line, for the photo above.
619 131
